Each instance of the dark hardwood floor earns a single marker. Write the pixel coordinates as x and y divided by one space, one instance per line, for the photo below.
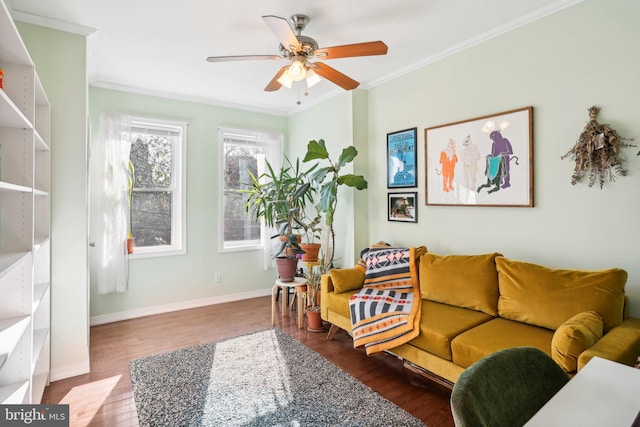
104 396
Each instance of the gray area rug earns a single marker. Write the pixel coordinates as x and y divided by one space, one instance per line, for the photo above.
265 378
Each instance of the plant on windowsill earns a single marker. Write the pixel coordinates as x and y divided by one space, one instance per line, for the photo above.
130 180
329 179
278 197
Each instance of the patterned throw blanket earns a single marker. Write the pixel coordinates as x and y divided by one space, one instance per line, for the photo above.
386 311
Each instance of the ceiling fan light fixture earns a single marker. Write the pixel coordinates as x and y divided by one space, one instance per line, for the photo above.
285 80
312 78
297 71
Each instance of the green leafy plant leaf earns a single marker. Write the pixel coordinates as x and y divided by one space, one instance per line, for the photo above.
351 180
348 154
316 150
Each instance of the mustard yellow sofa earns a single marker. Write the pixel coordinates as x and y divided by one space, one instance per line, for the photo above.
475 305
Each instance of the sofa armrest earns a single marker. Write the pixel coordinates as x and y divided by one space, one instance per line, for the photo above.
326 286
621 344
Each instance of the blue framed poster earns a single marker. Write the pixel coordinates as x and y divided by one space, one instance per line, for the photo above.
402 158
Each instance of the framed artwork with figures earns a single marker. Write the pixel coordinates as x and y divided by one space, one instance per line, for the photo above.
485 161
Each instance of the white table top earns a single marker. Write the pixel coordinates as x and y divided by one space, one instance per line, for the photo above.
297 281
603 393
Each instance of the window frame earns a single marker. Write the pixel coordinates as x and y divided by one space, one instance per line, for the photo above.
178 244
249 136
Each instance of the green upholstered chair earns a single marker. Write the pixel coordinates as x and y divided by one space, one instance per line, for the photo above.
505 388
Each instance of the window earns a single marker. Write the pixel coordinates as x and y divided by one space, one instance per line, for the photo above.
158 209
241 153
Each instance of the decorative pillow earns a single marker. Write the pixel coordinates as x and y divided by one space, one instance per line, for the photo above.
469 281
547 297
362 263
346 279
575 336
386 265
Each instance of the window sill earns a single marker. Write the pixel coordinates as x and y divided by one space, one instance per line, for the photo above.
241 249
151 253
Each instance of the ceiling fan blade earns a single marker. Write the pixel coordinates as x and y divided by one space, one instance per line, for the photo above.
283 31
241 58
349 50
335 76
274 84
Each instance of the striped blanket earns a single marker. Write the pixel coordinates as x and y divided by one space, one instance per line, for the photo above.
386 311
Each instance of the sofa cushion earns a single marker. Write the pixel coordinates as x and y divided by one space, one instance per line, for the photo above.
440 323
339 302
346 279
547 297
573 337
469 281
497 334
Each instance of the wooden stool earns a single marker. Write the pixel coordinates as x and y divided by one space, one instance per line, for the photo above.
297 283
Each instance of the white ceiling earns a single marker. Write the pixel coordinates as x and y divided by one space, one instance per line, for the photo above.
159 47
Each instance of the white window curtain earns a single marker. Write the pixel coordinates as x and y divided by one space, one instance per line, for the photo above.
110 203
273 145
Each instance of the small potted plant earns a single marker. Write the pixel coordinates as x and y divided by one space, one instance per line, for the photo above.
314 319
130 181
311 232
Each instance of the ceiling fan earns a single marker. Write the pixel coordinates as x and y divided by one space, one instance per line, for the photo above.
299 50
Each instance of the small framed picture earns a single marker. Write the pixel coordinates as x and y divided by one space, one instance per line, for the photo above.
402 158
403 207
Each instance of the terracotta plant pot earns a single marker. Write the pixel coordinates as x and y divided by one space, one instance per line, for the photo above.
287 268
130 245
314 321
311 251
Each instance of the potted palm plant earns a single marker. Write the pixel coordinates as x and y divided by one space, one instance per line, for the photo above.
279 196
329 179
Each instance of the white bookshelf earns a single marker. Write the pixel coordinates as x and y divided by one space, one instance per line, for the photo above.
25 227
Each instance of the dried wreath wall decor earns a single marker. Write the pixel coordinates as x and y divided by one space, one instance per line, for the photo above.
596 152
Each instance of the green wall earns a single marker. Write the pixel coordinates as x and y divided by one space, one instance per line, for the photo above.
168 282
62 72
561 65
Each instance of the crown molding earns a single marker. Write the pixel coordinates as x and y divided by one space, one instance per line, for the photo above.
52 23
187 98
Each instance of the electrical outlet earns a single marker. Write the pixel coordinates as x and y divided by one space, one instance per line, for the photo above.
217 277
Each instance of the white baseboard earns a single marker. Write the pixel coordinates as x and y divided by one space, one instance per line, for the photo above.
183 305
